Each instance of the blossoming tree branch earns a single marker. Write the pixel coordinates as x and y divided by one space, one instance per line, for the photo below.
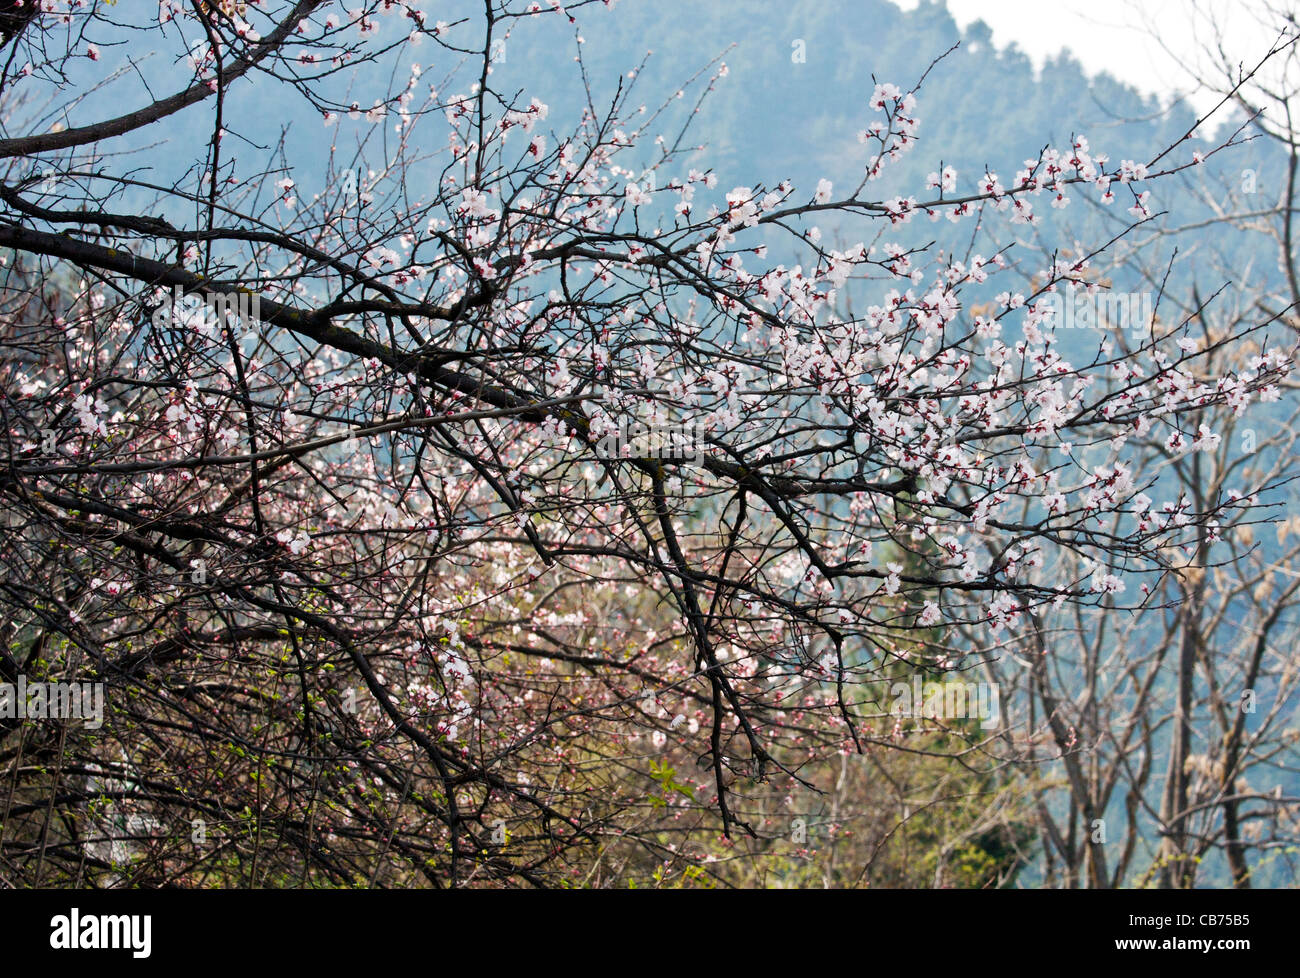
303 446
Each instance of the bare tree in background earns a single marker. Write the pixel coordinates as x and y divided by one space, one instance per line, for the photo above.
1164 741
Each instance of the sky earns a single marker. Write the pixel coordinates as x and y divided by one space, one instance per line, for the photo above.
1117 35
